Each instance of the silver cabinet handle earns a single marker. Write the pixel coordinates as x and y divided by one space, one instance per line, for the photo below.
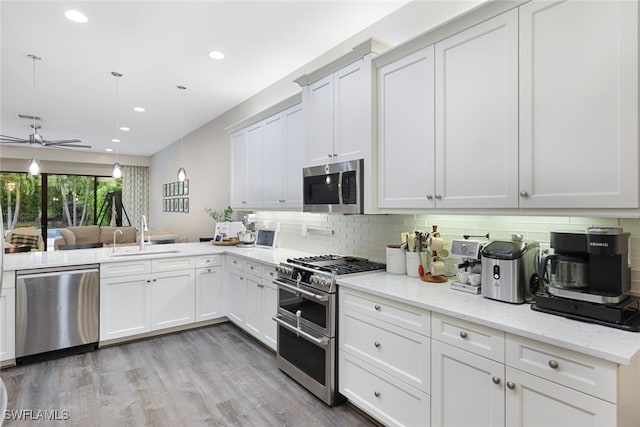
438 196
463 334
376 344
524 194
376 393
377 307
496 380
553 364
429 196
510 385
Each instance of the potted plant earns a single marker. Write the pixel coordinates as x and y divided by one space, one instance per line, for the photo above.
223 224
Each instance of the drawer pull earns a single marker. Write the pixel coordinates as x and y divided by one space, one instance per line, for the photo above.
377 307
496 380
463 334
376 344
553 364
510 385
376 393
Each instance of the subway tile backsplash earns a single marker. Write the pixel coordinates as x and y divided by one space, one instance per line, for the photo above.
368 235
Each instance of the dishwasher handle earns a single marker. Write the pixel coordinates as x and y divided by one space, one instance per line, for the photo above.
50 273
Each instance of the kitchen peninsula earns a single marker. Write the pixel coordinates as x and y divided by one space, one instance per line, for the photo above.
428 337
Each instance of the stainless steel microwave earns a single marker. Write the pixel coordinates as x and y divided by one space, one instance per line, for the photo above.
333 188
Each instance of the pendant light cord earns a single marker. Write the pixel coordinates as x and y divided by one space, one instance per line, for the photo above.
117 75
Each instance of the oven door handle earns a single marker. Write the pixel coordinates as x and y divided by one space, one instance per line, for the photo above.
324 341
301 291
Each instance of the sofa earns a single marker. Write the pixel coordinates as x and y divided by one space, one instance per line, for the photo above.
24 236
96 234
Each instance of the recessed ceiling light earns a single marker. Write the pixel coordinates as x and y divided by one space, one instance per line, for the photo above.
215 54
125 129
76 16
139 109
115 140
108 150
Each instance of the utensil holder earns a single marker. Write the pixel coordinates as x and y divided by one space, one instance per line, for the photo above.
396 260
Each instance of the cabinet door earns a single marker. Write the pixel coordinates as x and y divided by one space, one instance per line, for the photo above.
466 389
320 121
274 149
477 116
294 155
239 169
255 165
253 322
209 294
236 291
8 324
173 299
269 309
352 111
532 401
125 306
579 104
406 132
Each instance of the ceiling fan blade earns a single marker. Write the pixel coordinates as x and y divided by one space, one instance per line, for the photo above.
60 141
67 145
7 138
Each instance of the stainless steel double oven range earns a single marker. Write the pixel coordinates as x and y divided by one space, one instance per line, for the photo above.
307 319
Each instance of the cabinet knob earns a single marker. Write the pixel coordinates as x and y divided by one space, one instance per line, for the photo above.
438 196
208 261
377 307
376 344
524 194
329 155
510 385
429 197
553 364
496 380
148 280
463 334
208 270
376 393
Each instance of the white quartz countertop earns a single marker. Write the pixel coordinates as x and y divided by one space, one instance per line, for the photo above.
31 260
599 341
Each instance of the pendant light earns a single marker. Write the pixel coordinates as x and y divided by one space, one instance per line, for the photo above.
34 164
182 173
116 171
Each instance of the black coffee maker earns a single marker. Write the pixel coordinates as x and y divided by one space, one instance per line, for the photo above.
588 278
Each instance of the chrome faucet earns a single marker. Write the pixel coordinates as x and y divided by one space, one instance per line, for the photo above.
143 228
114 238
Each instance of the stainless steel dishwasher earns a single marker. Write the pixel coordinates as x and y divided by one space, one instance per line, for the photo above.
57 308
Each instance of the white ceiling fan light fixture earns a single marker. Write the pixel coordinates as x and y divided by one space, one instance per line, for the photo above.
182 172
76 16
116 170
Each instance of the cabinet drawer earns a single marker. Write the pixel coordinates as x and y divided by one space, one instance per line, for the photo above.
382 396
234 263
208 261
172 264
478 339
584 373
398 314
8 279
125 268
253 267
268 274
399 352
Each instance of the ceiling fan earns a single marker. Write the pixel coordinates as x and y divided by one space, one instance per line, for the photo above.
35 137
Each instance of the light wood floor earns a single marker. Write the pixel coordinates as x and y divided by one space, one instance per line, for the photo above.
213 376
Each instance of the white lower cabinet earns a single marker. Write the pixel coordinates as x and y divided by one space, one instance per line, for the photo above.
161 295
209 288
252 298
7 320
384 358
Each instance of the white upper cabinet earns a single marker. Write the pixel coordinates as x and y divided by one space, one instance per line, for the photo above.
239 169
406 131
255 165
579 104
274 147
476 128
340 114
294 155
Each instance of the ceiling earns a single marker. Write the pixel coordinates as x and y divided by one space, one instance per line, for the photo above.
156 45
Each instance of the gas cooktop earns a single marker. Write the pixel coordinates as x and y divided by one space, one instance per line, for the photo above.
338 264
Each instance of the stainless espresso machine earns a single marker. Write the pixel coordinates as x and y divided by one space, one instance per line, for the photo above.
588 278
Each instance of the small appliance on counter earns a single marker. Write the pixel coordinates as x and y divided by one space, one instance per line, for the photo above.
469 277
509 270
588 278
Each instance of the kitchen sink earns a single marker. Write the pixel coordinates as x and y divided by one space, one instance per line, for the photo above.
125 254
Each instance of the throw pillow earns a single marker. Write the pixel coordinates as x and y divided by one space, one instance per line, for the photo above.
24 240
